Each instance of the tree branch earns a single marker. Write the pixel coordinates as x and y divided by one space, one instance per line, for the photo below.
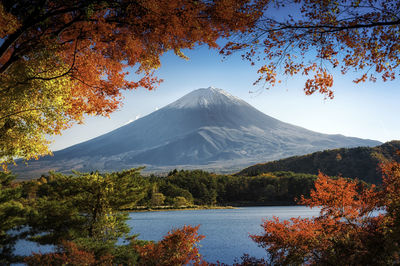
19 112
332 28
32 20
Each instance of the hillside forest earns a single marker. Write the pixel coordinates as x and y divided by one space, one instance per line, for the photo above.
362 162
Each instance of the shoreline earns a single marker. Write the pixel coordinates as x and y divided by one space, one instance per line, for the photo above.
199 207
171 208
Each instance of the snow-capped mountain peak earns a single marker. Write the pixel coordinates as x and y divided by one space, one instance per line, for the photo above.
205 127
206 97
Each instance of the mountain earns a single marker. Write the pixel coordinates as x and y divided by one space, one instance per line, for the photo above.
206 128
361 162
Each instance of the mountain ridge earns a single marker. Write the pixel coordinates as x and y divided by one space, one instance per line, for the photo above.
207 126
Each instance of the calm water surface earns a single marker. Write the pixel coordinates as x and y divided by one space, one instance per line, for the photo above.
226 231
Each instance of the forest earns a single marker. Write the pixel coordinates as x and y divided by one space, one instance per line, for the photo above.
203 188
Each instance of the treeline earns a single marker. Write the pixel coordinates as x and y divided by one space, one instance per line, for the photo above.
85 213
362 163
203 188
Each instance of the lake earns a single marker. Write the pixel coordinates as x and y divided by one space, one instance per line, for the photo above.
226 231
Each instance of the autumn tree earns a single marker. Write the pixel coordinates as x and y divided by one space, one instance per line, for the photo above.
62 60
178 247
67 254
357 225
313 37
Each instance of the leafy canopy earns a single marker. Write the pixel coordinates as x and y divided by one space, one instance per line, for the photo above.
83 205
312 37
178 247
61 60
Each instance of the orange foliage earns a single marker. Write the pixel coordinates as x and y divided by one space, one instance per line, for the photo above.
69 254
312 35
97 40
179 247
357 225
61 60
389 199
341 198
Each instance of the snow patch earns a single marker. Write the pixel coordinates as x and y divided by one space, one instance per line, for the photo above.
128 122
205 98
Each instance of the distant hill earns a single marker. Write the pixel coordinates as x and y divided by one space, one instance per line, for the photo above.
207 127
362 162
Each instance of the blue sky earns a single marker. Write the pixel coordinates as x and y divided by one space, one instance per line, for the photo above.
368 110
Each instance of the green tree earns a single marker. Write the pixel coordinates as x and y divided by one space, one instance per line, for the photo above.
180 202
85 208
12 216
202 185
157 199
172 191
